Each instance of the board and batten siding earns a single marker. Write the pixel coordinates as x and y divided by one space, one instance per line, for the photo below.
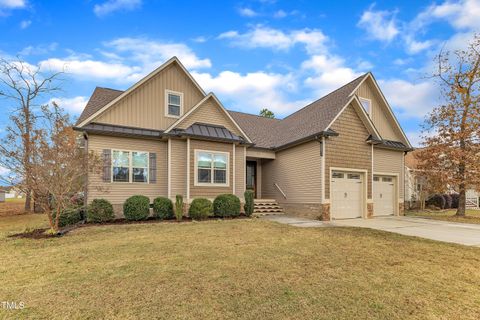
179 168
118 192
349 149
206 191
210 113
297 171
382 121
389 161
145 106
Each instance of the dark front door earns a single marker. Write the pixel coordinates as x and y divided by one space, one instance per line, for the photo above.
252 176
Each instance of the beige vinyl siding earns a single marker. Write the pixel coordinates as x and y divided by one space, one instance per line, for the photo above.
349 149
260 153
145 106
389 161
118 192
240 174
381 119
209 112
209 192
297 171
179 168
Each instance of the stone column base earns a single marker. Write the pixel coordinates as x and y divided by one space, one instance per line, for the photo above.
401 209
369 210
325 211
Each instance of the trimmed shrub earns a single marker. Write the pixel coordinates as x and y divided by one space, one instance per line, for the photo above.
226 205
248 206
100 210
455 199
179 207
69 216
436 200
163 208
448 201
136 208
200 209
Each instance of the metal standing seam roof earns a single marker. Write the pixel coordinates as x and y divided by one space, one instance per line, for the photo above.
208 131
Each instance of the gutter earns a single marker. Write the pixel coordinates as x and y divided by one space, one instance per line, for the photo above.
316 136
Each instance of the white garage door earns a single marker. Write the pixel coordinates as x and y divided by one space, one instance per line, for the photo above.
347 194
383 195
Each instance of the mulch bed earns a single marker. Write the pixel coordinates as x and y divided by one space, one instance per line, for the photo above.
40 233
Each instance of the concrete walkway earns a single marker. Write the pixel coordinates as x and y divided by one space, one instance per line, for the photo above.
461 233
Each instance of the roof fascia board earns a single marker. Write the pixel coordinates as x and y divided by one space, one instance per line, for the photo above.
138 84
370 76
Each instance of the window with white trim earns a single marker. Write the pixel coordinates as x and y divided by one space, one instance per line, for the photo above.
173 103
130 166
367 104
211 168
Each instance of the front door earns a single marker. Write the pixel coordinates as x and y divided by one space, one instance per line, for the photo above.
251 178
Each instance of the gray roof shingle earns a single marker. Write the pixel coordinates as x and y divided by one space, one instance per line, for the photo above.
264 132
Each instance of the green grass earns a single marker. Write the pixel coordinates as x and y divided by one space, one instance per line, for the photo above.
248 269
472 216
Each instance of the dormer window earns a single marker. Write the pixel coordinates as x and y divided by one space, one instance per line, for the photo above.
173 104
367 104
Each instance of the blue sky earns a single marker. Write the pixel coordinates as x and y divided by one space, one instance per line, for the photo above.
252 54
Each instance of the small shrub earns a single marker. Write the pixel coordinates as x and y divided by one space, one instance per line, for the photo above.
100 210
448 201
136 208
200 209
226 205
179 207
163 208
437 200
248 207
69 216
455 199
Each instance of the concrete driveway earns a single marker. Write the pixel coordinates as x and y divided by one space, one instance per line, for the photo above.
461 233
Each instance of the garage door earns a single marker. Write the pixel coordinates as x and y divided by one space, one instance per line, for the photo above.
347 194
383 195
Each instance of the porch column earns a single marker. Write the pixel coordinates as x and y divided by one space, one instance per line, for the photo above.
188 171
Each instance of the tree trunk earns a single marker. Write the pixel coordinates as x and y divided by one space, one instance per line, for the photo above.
28 201
462 203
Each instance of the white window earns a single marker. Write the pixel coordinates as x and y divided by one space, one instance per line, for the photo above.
173 104
129 166
367 104
211 168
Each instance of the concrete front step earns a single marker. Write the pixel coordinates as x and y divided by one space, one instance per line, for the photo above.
266 207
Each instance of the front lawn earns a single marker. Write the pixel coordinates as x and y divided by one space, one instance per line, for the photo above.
249 269
472 216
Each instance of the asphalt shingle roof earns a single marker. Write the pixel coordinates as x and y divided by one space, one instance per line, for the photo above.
264 132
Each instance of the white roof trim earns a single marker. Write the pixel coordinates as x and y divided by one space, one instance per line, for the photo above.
366 119
138 84
210 95
370 75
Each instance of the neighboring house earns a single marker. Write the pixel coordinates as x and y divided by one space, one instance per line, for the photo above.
2 195
414 184
341 156
12 192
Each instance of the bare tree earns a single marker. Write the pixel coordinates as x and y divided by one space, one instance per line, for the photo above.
26 88
59 166
451 131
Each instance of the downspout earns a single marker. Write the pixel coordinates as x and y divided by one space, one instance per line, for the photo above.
85 197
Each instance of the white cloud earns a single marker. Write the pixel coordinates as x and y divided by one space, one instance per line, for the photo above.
25 24
153 53
253 91
264 37
39 49
413 46
280 14
92 69
463 14
247 12
13 4
110 6
379 25
200 39
329 73
73 105
410 99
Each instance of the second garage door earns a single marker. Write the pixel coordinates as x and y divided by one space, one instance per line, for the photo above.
383 195
347 191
